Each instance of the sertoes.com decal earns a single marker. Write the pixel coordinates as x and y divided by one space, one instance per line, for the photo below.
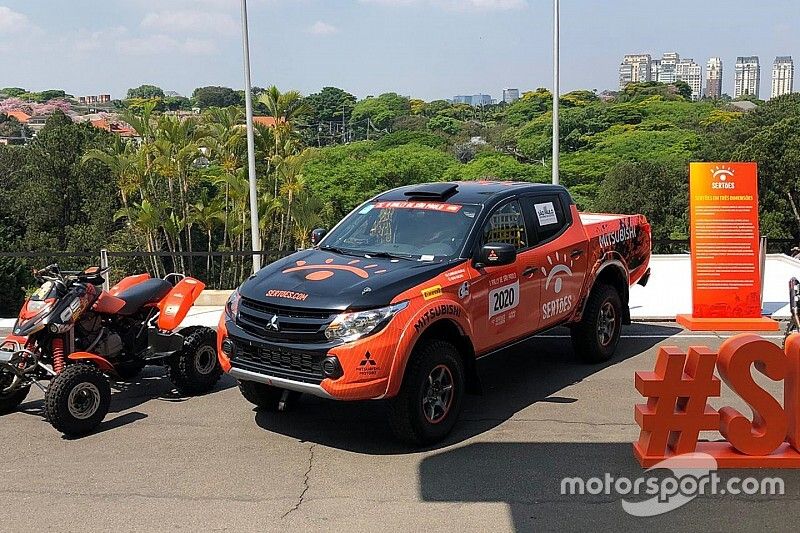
329 269
436 312
289 295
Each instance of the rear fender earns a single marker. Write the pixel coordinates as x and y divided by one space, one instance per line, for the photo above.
175 305
127 283
100 362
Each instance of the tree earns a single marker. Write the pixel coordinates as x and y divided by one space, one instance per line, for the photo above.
214 96
145 92
330 104
177 103
381 111
13 92
448 125
684 89
12 129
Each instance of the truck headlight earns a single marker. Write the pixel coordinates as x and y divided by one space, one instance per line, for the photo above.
352 326
232 305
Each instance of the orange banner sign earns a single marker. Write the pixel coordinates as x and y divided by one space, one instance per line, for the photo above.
726 279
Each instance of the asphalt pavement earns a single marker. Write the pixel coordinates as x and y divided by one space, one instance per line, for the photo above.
161 462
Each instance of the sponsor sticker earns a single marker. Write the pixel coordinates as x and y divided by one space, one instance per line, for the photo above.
455 275
435 312
546 214
428 206
463 290
503 299
289 295
432 292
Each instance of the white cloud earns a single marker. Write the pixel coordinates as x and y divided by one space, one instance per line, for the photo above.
459 5
322 28
161 44
190 21
12 21
90 41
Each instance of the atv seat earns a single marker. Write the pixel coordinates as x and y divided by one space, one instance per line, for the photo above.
147 292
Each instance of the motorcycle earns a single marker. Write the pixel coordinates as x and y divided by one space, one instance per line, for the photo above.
76 335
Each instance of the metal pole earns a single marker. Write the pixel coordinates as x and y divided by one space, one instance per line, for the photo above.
103 265
251 145
556 87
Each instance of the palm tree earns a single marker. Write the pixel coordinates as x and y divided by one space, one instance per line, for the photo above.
145 218
207 213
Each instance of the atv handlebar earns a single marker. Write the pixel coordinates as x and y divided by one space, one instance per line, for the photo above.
54 273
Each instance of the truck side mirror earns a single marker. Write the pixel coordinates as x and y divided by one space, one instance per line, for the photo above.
494 254
317 235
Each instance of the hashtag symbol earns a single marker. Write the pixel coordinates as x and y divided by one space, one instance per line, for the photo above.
677 407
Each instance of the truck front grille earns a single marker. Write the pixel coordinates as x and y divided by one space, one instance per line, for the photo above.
283 324
280 362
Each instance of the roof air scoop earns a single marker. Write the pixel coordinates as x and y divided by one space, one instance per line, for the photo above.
433 191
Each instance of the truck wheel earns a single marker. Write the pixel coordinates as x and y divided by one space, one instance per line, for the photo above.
77 400
430 398
596 337
265 397
10 400
196 369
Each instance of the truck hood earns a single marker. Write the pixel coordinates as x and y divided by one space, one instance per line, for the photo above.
317 279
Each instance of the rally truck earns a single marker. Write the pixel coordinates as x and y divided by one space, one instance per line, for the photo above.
402 296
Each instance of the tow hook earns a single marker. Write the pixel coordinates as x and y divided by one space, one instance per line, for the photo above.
283 404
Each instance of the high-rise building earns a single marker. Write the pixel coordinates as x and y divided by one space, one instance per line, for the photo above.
510 95
668 73
692 73
782 76
635 68
475 100
655 69
714 78
748 77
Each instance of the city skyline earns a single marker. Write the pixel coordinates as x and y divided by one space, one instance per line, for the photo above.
466 45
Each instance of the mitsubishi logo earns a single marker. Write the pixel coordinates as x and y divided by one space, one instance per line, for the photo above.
368 360
273 324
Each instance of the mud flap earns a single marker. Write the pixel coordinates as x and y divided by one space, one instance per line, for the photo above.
164 344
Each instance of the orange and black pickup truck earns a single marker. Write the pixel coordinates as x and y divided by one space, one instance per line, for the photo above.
401 297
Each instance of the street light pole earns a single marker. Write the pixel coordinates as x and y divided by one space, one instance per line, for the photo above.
251 145
556 87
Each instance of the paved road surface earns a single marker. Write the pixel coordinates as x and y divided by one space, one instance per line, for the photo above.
165 463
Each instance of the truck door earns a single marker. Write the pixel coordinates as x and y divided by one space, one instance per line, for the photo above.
560 253
505 302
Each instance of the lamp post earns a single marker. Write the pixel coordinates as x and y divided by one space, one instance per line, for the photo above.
556 87
251 145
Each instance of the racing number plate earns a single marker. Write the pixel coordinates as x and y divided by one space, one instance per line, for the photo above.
503 299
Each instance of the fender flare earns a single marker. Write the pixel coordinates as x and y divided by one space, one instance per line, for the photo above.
100 362
411 335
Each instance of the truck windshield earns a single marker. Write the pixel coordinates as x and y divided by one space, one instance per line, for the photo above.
425 231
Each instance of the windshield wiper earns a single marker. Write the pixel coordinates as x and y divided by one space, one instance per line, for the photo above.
387 255
338 250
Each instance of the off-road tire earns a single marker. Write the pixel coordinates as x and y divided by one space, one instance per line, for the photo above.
590 345
407 417
266 397
59 397
10 401
190 370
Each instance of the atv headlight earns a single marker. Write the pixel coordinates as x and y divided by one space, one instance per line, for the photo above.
352 326
232 305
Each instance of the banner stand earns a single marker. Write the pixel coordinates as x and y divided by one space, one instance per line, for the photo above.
727 251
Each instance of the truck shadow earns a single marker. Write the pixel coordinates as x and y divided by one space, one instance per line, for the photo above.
534 371
528 478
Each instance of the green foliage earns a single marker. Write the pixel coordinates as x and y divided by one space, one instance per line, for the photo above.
494 166
450 126
401 137
11 127
329 104
345 176
381 110
530 106
177 103
213 96
145 92
13 92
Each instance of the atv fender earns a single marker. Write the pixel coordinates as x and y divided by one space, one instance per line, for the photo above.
175 305
86 357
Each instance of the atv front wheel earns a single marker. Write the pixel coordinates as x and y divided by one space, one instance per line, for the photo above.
77 400
10 400
196 369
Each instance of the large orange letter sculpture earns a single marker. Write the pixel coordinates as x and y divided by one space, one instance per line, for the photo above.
677 407
726 271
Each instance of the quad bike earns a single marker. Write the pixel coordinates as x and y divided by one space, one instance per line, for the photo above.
76 335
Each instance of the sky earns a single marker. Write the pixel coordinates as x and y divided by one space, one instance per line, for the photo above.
426 49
